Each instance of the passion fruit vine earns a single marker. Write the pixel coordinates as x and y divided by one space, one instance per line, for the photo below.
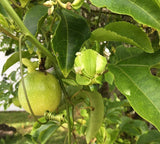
43 91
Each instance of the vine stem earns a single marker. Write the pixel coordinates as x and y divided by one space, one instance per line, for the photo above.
8 33
67 109
31 38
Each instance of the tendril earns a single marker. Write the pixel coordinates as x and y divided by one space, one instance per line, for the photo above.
23 84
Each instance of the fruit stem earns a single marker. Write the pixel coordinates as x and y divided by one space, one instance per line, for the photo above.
67 109
30 65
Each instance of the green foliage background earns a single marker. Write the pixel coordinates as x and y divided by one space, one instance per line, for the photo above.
130 83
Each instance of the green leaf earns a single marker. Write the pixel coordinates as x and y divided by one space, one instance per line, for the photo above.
150 137
133 127
134 79
82 80
13 59
70 82
70 34
12 75
158 2
123 53
109 77
44 132
112 135
37 124
30 46
96 115
124 32
144 11
33 18
3 21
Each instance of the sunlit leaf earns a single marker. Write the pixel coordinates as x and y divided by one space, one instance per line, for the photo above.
13 59
44 132
123 32
144 11
134 79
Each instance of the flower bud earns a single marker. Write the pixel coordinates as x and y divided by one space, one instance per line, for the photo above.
48 3
89 66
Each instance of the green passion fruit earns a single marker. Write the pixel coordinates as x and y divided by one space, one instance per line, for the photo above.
43 91
15 101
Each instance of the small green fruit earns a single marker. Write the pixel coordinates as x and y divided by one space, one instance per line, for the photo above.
43 91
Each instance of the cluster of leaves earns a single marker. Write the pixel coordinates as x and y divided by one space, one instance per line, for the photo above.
130 30
118 126
8 89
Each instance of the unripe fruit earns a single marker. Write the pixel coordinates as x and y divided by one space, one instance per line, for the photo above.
15 101
43 91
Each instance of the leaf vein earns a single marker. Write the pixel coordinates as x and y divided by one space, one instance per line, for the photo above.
136 86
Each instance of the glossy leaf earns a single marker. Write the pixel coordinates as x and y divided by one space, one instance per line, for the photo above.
134 79
144 11
33 17
124 32
13 59
70 34
44 132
